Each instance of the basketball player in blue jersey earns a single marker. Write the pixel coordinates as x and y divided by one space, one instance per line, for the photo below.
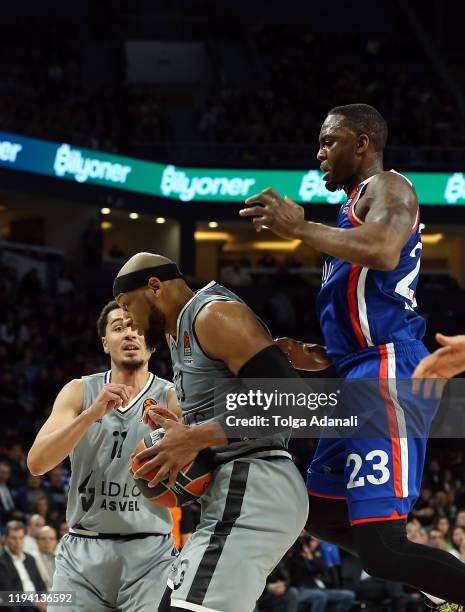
361 490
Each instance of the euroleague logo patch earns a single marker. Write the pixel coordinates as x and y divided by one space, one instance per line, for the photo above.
148 403
187 346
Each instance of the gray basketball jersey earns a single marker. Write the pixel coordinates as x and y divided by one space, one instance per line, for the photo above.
195 374
103 496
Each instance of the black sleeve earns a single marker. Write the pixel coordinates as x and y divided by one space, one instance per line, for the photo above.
269 363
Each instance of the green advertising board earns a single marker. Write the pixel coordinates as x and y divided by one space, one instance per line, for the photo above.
86 166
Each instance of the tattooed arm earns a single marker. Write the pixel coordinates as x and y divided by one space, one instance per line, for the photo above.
388 209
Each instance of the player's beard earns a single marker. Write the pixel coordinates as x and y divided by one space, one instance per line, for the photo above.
332 186
132 366
156 330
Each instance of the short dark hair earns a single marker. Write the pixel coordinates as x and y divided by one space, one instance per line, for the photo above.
103 317
365 119
14 526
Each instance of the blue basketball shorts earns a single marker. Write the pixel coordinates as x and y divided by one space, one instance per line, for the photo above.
379 475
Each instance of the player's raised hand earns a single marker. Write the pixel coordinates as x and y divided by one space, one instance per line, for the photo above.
444 363
175 450
111 396
151 413
304 356
281 215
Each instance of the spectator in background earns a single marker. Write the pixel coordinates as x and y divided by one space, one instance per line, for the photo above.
460 519
45 555
417 533
33 490
278 595
441 504
34 525
56 490
443 525
424 510
308 572
433 476
42 507
63 528
458 541
7 503
18 570
436 539
17 460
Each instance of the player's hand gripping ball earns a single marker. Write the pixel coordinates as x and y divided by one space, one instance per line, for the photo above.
190 484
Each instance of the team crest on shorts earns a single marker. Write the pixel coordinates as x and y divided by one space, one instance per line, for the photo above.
187 347
179 573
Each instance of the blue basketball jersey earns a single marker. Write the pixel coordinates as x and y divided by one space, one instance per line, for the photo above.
360 307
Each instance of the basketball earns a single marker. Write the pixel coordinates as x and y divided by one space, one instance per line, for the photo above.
191 481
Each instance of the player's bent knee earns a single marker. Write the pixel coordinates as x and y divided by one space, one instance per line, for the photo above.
380 547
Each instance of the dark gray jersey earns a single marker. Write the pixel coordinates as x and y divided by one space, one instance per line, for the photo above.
103 496
195 374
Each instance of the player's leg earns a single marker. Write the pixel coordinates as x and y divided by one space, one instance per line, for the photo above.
79 569
251 514
385 552
328 520
383 476
146 565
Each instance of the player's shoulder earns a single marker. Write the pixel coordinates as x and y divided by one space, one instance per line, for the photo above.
75 385
100 377
393 188
158 380
71 396
390 178
219 311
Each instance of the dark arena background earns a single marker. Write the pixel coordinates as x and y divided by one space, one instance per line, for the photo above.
143 125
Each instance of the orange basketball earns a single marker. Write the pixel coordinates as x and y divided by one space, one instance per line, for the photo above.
191 482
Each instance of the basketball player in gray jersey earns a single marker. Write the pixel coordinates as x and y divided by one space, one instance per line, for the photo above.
119 549
256 505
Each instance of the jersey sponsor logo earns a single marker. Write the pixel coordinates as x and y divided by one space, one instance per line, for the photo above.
124 493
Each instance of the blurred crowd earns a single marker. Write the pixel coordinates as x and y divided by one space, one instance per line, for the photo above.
368 70
50 89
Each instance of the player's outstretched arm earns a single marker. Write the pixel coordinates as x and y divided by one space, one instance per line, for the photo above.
67 423
377 243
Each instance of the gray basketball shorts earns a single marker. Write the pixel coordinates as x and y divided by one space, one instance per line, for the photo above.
127 574
252 513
